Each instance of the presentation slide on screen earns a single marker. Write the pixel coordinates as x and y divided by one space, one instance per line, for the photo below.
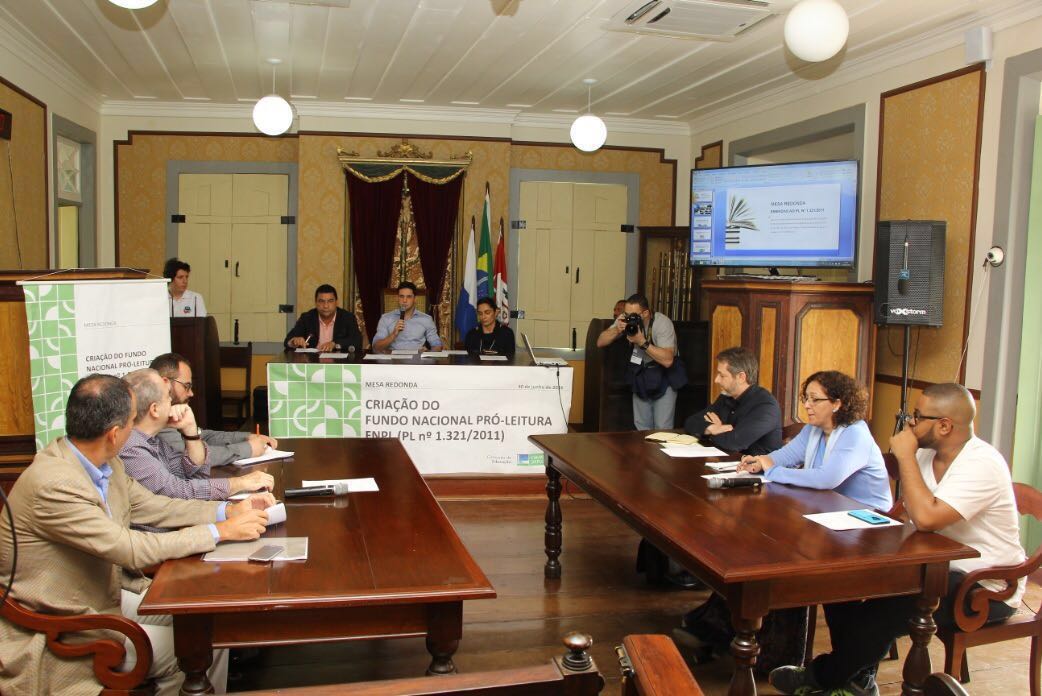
772 218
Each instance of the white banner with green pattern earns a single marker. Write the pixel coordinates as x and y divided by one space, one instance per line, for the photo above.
80 327
450 418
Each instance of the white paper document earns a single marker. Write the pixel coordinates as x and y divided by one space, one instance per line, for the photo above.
268 455
293 549
722 466
693 451
434 354
378 356
306 350
493 357
842 521
336 356
405 351
735 474
358 485
276 514
454 352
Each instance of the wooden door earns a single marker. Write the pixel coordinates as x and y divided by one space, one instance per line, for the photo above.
259 241
598 254
204 241
544 263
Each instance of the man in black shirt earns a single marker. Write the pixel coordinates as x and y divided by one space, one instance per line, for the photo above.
489 337
745 417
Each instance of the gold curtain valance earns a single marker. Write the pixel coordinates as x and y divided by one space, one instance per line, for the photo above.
403 157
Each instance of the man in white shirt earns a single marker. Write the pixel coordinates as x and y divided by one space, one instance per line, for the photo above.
952 483
183 302
408 328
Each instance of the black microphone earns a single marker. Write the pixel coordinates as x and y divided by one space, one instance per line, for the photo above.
904 274
401 315
736 482
339 488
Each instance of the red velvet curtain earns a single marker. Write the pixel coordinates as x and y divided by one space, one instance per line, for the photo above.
375 209
435 208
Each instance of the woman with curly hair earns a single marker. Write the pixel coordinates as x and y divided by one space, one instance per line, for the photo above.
835 448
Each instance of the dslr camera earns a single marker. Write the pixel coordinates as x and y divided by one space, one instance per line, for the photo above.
634 323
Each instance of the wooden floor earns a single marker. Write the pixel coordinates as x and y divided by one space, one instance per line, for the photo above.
599 594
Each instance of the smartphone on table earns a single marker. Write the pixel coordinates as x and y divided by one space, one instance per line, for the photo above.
265 553
869 516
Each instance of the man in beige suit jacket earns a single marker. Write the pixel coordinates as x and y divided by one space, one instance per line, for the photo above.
73 507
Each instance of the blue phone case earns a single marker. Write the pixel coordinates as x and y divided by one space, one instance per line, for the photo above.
870 517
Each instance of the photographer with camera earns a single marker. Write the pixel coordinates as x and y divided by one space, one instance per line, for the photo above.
655 373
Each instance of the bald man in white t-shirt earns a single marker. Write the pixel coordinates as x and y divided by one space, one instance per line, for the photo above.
952 483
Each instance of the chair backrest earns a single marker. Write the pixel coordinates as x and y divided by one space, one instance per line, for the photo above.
239 357
1029 502
941 684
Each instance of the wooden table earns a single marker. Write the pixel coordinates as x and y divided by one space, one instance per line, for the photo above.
380 565
752 546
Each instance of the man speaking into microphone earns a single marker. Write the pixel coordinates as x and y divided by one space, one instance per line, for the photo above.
408 328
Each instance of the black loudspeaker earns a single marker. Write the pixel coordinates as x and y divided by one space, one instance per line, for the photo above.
909 273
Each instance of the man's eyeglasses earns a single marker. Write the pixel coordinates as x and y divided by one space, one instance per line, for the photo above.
186 385
914 417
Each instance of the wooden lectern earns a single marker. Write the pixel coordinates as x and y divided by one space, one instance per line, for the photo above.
196 339
17 429
795 329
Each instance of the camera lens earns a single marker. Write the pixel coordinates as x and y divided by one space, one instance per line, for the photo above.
632 324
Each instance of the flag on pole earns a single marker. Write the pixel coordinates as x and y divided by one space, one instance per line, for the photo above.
500 275
484 262
466 316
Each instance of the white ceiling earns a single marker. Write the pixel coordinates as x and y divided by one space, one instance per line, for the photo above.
525 55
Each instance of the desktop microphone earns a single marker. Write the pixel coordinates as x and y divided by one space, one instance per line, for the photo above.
904 275
737 482
339 488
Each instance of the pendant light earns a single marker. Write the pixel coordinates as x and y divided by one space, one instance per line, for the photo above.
133 4
272 114
588 132
816 30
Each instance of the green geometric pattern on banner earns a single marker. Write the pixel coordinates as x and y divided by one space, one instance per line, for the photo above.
313 400
51 314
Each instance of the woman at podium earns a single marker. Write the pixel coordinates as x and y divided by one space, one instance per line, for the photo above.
183 302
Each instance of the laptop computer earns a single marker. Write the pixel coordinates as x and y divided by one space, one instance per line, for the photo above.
545 362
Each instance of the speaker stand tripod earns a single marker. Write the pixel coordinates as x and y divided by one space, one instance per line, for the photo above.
902 413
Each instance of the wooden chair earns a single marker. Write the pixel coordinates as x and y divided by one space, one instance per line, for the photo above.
391 300
108 654
941 684
237 357
651 666
970 629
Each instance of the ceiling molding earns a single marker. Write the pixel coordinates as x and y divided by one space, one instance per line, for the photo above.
888 58
643 126
24 45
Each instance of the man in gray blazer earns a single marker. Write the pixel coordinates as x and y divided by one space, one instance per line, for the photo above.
77 554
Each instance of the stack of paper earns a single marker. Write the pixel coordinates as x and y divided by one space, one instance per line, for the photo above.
672 438
722 466
692 451
293 549
735 474
306 350
378 356
268 455
357 485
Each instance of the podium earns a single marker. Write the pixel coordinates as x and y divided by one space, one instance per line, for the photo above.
196 339
795 329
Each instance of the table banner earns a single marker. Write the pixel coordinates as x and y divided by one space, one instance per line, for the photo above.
450 418
81 327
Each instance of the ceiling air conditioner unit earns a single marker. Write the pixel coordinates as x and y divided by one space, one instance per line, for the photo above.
710 20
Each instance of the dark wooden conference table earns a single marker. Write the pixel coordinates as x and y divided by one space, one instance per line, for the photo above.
753 546
380 565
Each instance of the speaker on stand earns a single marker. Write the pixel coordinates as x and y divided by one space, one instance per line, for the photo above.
909 283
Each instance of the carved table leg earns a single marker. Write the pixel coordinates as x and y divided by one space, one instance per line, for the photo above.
744 649
917 665
552 538
444 628
193 645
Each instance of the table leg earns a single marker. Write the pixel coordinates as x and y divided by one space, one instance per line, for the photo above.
444 629
917 665
552 537
193 645
744 649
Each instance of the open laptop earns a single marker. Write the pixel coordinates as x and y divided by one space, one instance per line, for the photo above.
545 362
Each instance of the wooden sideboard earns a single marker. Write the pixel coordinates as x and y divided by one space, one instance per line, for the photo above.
795 329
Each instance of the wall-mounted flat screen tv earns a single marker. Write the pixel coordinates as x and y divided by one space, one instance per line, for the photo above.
801 215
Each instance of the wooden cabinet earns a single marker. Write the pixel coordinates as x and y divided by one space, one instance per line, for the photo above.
795 329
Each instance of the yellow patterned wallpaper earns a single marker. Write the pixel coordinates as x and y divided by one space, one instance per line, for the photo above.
928 168
141 183
322 205
27 213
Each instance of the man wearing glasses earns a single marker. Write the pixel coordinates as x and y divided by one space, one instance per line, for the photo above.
953 483
223 447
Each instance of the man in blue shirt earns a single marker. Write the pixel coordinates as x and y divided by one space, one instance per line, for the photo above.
408 328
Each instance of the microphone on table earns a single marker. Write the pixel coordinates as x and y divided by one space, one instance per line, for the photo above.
338 488
736 482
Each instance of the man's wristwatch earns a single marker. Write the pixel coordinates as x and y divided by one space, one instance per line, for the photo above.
198 435
645 344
